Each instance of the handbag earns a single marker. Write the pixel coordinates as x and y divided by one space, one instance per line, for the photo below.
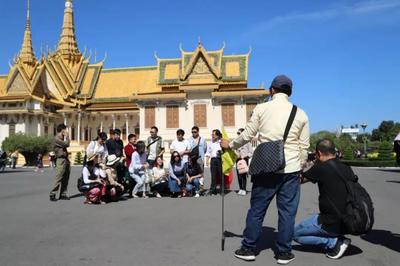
242 167
269 157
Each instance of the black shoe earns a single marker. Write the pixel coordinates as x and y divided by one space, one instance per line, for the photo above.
64 197
245 254
53 198
339 249
284 257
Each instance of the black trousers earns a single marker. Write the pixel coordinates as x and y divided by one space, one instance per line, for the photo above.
216 171
161 188
242 178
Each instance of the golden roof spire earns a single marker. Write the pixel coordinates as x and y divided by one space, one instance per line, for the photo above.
26 54
68 47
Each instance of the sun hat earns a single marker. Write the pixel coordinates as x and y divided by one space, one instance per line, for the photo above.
91 157
112 159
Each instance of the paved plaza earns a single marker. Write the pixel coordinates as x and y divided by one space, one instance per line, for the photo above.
35 231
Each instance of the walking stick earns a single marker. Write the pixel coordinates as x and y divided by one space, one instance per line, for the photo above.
223 212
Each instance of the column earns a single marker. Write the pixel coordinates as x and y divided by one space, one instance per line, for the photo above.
101 123
113 119
127 126
79 127
39 125
65 118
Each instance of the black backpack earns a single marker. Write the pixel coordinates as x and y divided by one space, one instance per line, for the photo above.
358 218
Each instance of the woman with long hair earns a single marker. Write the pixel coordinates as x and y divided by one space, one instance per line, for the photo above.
160 178
98 147
193 174
176 178
138 168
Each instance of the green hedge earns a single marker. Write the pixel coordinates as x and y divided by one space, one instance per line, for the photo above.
366 163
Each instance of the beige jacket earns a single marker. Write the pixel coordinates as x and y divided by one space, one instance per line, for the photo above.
269 121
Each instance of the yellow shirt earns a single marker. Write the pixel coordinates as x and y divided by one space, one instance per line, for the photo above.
269 121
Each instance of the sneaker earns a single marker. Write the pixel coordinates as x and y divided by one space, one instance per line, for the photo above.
53 197
197 195
244 192
284 257
245 254
339 249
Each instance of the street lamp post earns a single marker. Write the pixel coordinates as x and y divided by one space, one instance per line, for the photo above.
364 126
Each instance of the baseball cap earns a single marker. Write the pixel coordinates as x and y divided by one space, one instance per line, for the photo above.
281 82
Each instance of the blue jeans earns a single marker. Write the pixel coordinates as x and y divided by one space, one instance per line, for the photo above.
195 184
310 232
286 187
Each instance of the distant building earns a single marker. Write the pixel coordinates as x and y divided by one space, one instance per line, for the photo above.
353 132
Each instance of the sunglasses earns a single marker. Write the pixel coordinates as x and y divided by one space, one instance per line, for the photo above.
152 132
238 133
194 132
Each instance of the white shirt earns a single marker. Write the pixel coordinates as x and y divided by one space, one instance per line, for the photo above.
137 163
158 173
97 172
153 148
95 148
269 121
212 149
181 146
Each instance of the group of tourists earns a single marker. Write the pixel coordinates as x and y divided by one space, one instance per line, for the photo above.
112 169
137 169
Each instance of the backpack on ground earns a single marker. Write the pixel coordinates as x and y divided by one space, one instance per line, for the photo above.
358 218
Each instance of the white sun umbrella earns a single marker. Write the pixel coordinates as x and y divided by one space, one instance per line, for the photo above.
397 137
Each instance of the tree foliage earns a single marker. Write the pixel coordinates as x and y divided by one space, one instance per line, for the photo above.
386 131
385 151
29 146
78 158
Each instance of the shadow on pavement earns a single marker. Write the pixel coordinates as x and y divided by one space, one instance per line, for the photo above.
76 195
14 171
351 251
390 170
384 238
267 239
393 181
230 234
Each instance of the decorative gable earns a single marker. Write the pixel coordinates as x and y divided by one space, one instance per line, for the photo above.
18 85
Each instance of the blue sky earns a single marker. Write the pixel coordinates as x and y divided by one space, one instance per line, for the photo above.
343 56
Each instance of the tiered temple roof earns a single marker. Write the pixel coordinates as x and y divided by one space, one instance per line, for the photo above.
67 78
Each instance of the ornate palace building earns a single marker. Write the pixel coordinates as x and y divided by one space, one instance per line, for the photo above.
203 88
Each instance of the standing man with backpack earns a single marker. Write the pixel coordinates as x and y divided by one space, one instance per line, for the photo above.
334 180
272 121
154 146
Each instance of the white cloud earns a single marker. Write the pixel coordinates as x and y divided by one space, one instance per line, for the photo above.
357 9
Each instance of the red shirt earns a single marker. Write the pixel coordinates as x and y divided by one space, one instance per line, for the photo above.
129 150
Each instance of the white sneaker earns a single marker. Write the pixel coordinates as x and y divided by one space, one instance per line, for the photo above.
244 193
197 195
